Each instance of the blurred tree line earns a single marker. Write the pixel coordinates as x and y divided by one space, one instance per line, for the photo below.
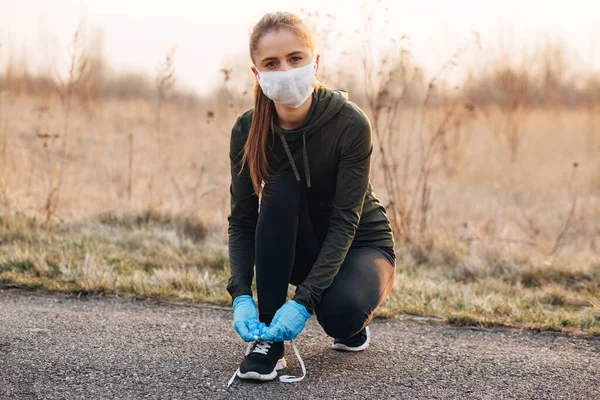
545 77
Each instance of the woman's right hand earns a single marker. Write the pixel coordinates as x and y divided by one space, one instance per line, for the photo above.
245 318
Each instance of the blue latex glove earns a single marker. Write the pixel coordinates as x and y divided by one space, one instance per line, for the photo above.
245 318
262 329
287 323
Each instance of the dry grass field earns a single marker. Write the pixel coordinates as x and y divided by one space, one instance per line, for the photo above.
109 197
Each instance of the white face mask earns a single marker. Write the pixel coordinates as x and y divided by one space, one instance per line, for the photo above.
290 88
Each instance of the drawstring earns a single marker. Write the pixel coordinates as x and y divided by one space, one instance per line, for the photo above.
282 378
304 157
289 155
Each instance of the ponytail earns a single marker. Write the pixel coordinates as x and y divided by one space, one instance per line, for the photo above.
255 150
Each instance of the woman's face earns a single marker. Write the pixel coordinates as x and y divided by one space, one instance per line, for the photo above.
281 50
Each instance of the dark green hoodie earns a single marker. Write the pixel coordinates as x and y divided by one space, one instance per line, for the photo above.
331 153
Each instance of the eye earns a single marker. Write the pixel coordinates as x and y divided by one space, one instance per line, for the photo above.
296 59
270 64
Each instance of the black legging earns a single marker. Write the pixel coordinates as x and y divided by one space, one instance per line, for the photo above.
287 247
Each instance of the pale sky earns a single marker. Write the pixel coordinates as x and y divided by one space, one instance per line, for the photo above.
206 34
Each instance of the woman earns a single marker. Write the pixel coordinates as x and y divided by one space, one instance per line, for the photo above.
306 150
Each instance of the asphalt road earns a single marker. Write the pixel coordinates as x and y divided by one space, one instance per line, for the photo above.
57 347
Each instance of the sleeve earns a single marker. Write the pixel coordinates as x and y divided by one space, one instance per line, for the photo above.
242 219
351 186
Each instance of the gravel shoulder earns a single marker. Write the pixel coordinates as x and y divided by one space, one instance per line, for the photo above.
57 346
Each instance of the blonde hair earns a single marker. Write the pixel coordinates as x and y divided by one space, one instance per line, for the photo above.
255 150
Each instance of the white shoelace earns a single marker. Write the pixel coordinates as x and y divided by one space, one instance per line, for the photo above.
262 348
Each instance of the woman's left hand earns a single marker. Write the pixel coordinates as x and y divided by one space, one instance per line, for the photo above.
287 323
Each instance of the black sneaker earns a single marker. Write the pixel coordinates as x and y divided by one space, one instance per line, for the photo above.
358 342
263 361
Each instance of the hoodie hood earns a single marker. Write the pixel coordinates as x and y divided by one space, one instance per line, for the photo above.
326 104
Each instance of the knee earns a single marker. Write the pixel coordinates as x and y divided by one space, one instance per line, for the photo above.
283 191
342 319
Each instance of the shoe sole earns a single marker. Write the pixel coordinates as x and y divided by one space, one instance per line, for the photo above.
281 364
343 347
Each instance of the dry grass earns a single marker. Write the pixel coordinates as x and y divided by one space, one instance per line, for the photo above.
487 260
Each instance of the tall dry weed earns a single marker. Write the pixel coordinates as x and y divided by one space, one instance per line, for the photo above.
165 80
57 161
3 141
506 118
434 132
